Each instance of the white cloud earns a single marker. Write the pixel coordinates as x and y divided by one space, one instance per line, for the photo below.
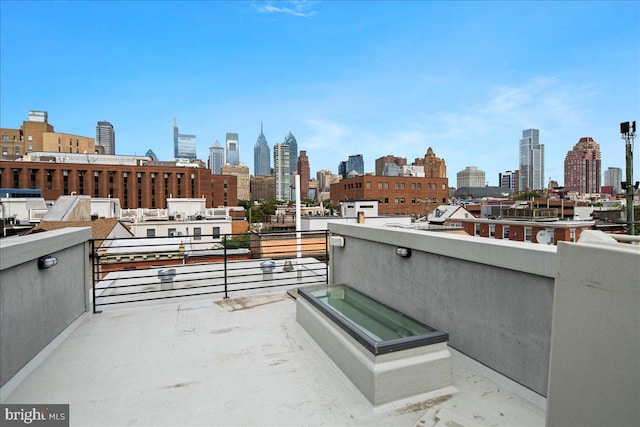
293 8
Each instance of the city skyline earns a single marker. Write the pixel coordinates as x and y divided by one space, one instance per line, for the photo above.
345 78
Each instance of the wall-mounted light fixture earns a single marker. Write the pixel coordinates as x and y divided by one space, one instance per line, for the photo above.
403 252
336 241
47 261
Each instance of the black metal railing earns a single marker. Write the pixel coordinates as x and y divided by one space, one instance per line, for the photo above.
128 270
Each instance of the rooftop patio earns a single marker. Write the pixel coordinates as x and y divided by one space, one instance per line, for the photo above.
524 321
238 361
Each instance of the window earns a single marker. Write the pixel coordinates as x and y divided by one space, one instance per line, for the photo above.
476 229
172 232
151 232
505 231
444 186
386 185
96 184
492 231
16 178
30 138
81 182
572 235
49 179
527 234
368 185
419 185
216 232
396 200
551 233
413 185
397 186
65 183
402 200
386 200
197 233
379 186
402 185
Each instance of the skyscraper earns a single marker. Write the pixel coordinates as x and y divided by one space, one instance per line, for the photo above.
613 178
216 158
324 177
471 176
304 172
531 161
381 162
507 180
184 146
261 156
233 149
291 142
582 167
353 165
106 137
282 171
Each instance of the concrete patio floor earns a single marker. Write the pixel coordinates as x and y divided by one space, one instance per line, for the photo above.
241 361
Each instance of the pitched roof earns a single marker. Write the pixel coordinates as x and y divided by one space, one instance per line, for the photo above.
100 228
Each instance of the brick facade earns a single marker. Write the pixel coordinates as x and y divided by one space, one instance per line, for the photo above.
397 195
135 186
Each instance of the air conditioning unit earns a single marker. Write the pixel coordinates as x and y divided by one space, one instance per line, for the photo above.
179 217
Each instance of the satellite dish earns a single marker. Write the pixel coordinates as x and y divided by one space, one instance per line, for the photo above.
543 237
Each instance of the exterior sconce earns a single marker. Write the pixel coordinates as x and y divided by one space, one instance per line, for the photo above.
47 261
403 252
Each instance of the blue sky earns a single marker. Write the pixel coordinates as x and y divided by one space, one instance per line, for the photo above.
371 78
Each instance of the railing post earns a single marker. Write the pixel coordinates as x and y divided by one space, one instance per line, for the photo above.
226 294
326 256
94 271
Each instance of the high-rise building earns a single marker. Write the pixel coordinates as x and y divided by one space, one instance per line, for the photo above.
531 161
282 171
613 178
38 135
261 156
292 143
184 146
324 177
382 161
471 176
582 167
434 166
354 165
304 172
216 158
390 169
507 180
233 149
106 137
263 187
242 173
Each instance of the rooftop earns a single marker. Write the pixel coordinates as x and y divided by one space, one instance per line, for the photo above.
239 361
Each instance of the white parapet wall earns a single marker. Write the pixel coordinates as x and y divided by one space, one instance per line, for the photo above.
594 372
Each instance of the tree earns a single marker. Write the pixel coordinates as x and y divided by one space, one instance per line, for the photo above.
527 196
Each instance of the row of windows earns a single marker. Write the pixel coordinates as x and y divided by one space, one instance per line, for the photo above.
528 233
397 185
197 232
401 200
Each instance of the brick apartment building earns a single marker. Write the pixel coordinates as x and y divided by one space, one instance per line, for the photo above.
397 195
146 186
526 231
